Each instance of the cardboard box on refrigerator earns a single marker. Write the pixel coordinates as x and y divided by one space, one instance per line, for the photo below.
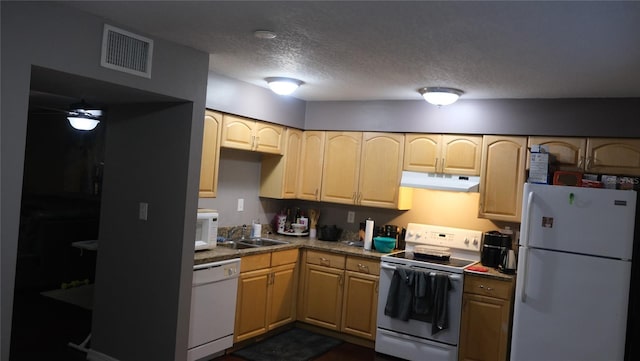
539 168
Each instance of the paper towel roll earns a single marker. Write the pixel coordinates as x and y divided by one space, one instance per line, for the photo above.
368 234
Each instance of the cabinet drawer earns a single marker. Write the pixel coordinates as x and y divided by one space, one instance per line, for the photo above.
488 287
254 262
284 257
326 259
363 265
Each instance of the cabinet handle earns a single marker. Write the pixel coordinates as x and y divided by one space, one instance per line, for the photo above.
353 197
442 165
316 194
590 162
359 199
580 162
436 165
363 267
488 288
257 142
325 261
341 280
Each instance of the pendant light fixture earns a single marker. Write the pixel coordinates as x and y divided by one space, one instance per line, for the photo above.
283 86
440 95
83 116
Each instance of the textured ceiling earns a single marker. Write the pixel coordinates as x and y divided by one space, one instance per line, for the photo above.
376 50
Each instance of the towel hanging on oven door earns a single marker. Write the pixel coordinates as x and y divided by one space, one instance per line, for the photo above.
421 296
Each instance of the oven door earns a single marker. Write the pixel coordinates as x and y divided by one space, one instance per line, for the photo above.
417 328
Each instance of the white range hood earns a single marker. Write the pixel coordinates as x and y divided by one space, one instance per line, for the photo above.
437 181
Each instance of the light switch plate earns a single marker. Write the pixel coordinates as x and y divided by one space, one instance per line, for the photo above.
351 216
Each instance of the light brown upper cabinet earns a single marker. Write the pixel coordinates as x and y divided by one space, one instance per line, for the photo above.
593 155
364 169
568 152
341 167
210 154
502 177
443 153
311 161
279 173
253 135
613 156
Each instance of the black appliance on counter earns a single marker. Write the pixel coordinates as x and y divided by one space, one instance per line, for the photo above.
494 246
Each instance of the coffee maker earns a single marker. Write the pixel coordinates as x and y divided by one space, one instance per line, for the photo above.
494 247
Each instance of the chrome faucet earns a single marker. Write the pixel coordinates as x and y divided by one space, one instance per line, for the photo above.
233 230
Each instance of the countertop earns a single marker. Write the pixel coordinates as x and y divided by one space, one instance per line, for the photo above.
220 253
492 273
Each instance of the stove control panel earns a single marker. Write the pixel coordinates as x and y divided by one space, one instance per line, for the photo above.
458 238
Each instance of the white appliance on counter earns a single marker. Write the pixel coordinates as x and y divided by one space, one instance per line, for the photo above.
433 250
574 272
206 229
213 308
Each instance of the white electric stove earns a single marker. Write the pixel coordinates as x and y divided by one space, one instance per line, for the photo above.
450 251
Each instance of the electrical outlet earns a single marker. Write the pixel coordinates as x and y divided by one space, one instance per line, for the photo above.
351 216
240 204
143 211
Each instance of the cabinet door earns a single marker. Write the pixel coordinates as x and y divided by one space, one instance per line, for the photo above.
282 292
279 173
461 154
421 152
237 132
502 177
613 156
322 298
341 167
568 153
210 154
360 304
380 169
268 138
251 308
311 161
484 329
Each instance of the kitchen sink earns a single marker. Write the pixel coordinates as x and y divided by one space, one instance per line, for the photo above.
235 245
251 243
261 242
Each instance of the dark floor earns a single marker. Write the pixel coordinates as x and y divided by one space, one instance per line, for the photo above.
43 327
343 352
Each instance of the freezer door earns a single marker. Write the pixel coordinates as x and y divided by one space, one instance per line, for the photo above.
581 220
569 307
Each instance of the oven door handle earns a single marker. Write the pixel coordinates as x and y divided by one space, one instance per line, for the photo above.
453 277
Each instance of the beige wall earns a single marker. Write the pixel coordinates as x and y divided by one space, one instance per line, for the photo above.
450 209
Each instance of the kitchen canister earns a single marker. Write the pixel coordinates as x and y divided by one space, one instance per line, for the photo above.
368 234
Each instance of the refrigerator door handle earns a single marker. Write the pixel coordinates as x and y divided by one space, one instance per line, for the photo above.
525 247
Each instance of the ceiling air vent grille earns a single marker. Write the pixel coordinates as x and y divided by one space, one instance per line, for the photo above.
127 52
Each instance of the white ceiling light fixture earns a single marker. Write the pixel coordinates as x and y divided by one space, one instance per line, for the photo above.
283 86
440 95
264 34
82 116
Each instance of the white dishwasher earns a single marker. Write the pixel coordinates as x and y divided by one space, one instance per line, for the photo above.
213 308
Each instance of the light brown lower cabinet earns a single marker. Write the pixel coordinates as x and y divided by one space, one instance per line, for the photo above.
266 293
486 319
339 293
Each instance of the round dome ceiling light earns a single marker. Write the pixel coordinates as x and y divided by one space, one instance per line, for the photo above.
264 34
283 86
440 95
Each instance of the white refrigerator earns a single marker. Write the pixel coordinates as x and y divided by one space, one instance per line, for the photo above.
573 275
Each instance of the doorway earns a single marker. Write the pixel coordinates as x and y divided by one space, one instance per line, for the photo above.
60 209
